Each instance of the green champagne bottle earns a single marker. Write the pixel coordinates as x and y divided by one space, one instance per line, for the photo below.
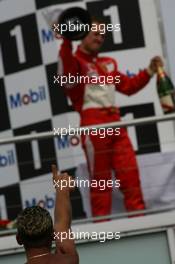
166 91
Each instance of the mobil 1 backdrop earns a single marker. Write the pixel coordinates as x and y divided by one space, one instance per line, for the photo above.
31 103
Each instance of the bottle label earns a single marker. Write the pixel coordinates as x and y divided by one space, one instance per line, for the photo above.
167 103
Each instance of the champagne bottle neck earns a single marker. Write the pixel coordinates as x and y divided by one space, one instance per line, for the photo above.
161 72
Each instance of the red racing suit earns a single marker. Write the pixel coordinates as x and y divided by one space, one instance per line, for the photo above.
96 105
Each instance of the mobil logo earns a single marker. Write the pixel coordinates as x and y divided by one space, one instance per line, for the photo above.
67 141
47 35
47 202
7 158
31 97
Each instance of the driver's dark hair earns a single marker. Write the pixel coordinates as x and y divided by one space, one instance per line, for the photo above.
35 227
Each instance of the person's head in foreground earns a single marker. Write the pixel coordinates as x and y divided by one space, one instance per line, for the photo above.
36 231
35 228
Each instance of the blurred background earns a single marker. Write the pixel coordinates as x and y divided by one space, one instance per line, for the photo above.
31 103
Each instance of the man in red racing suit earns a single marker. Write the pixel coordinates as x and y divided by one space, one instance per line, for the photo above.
96 105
